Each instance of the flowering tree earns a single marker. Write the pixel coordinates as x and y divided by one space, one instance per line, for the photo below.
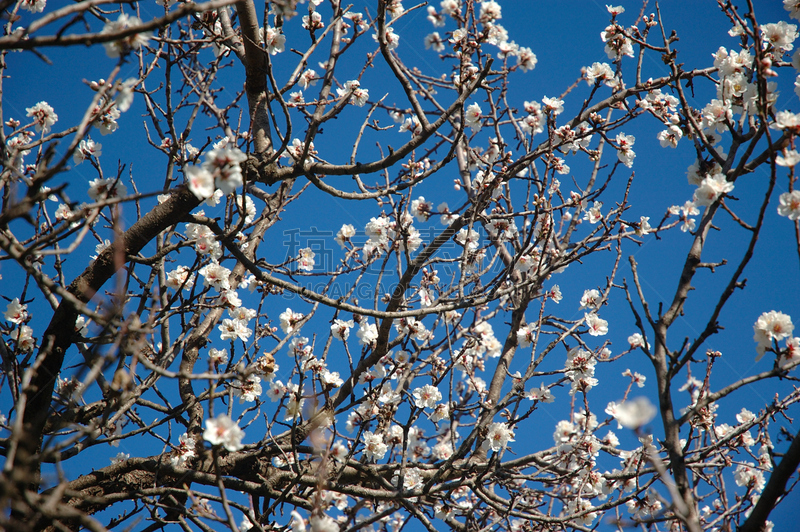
389 372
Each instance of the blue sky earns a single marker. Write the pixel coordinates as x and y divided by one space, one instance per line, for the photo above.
565 37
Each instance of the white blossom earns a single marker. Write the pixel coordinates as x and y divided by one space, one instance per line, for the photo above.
43 116
290 321
374 448
633 413
498 437
224 431
131 42
426 396
771 326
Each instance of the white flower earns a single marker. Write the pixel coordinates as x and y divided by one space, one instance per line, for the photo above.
232 329
598 72
633 413
468 238
101 247
637 340
427 396
625 153
555 294
331 378
745 416
711 188
43 116
24 338
440 412
276 390
644 227
341 329
62 212
580 505
216 276
791 354
747 475
458 35
296 149
411 124
295 98
421 209
16 312
179 278
87 148
300 347
781 35
597 326
308 77
594 215
81 326
131 42
201 182
451 8
248 390
274 40
617 44
553 105
636 377
442 450
218 356
245 525
374 448
669 137
224 431
590 299
503 230
120 457
367 333
124 98
391 38
525 335
185 451
772 325
411 479
793 7
542 393
358 96
526 59
106 119
498 437
305 260
224 164
247 206
686 210
490 11
789 158
339 451
472 116
100 189
786 120
716 114
323 523
34 6
313 21
434 40
790 204
290 321
298 523
580 364
345 234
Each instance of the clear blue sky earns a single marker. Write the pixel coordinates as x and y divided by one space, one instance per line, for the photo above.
565 37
